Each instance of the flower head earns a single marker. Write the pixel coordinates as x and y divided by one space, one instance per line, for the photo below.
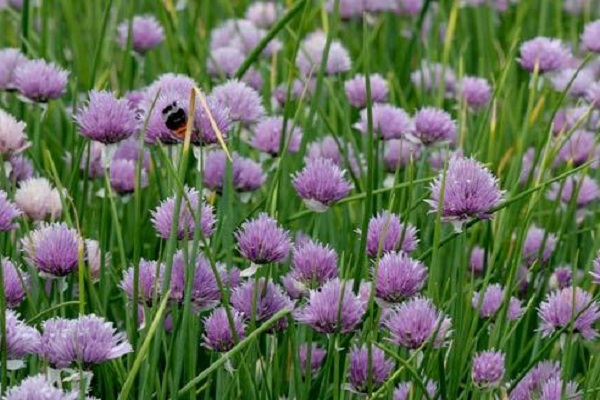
582 190
476 92
21 339
124 176
469 191
552 389
53 249
21 168
488 369
430 77
16 283
404 389
10 60
94 164
217 330
389 122
329 148
399 153
477 260
398 277
310 55
416 321
88 339
40 81
147 33
321 183
332 308
538 243
38 199
262 241
386 233
106 119
265 299
531 384
317 356
569 306
38 387
595 272
191 205
244 103
262 14
433 125
313 264
149 281
268 134
579 148
590 38
242 35
248 175
8 212
13 139
356 90
548 54
362 371
210 120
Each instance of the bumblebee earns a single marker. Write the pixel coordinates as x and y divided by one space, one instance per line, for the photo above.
175 120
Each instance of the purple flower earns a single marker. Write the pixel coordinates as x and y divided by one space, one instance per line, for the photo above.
10 60
538 243
575 80
579 148
548 54
561 278
38 387
563 306
404 389
124 176
348 8
408 8
552 389
241 35
156 129
268 134
177 84
317 356
93 259
53 249
356 90
515 310
477 260
592 94
163 216
205 291
476 92
21 168
21 339
389 122
13 138
362 371
94 164
329 148
583 190
433 125
225 61
332 308
469 191
595 273
146 30
313 264
431 77
262 241
262 14
310 56
590 38
150 280
399 153
8 212
264 298
205 133
532 382
130 149
16 283
321 184
38 199
386 233
88 339
40 81
528 169
488 369
247 174
416 321
398 277
217 330
492 300
105 118
244 103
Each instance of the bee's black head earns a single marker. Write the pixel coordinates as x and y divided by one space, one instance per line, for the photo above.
171 107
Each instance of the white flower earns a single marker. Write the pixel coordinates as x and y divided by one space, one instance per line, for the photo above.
12 134
38 199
